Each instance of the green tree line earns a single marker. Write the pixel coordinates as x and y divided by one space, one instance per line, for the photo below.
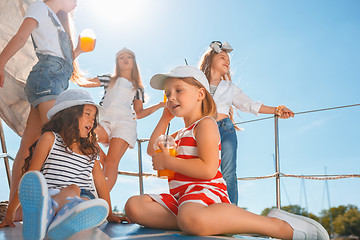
345 219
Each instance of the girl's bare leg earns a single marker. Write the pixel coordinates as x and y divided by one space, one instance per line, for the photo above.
145 211
69 191
101 134
37 118
222 218
117 149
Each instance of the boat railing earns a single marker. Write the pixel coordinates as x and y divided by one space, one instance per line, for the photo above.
277 175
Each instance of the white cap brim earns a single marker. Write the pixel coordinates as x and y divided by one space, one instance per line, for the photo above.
158 80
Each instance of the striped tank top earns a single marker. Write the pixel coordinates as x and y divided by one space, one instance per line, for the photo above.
63 167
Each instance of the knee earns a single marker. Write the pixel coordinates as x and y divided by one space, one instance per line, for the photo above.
133 208
74 190
192 223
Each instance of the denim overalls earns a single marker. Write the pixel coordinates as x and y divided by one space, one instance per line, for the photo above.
50 75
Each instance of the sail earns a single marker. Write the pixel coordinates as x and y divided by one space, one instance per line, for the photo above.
14 107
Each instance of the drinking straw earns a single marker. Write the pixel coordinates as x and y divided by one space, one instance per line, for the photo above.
167 134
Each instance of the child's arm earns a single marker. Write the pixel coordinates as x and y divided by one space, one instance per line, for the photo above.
40 154
141 112
159 130
16 43
284 111
103 192
206 166
89 82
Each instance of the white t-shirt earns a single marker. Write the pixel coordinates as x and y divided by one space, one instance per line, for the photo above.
45 34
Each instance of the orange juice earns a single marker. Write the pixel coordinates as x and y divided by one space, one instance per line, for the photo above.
166 173
87 44
87 40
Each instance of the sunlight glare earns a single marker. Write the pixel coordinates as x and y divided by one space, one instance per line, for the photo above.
115 12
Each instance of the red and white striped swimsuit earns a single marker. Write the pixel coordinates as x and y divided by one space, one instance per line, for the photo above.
186 189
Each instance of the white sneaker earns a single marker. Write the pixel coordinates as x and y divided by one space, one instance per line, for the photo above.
37 205
304 228
76 216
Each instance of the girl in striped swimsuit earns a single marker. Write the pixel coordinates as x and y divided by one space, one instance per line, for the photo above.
198 203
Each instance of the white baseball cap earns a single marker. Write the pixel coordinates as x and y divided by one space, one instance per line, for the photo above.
124 50
70 98
158 80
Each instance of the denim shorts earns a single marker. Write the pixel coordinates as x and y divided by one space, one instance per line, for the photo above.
48 78
87 194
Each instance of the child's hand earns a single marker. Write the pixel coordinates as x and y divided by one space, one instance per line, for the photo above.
7 222
159 159
161 104
78 46
167 114
118 219
286 113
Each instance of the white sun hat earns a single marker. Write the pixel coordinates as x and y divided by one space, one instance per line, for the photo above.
158 80
70 98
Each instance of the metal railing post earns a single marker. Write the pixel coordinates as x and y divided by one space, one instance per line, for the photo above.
5 156
141 181
276 126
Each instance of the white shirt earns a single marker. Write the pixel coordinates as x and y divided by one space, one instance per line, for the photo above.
45 34
228 94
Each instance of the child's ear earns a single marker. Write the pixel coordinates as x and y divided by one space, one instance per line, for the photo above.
202 94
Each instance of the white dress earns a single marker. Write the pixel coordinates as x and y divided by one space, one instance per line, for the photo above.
119 120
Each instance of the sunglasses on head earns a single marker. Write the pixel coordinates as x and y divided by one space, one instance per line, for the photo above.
218 46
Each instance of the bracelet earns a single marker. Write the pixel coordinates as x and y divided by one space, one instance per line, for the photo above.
278 110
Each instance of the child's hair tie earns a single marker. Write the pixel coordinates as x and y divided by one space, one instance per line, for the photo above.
278 110
217 46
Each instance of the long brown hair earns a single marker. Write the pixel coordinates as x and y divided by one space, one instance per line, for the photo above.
205 66
67 21
66 123
208 106
135 73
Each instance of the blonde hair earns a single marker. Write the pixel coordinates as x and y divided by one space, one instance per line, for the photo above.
67 21
208 106
205 66
135 73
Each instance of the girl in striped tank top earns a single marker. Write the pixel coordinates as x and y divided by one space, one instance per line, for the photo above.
198 202
56 192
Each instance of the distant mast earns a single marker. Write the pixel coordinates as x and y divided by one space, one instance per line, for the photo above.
328 197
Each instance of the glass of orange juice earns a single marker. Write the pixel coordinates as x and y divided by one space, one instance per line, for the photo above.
171 147
87 40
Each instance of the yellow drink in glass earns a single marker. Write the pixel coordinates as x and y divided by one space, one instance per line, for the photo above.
170 145
166 173
87 40
87 44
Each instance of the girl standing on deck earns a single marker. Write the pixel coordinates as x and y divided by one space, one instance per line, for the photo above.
123 103
198 202
215 63
64 164
49 24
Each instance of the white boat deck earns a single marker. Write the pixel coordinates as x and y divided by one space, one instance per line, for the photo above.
107 231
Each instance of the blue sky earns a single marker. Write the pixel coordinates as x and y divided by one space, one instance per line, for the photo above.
304 54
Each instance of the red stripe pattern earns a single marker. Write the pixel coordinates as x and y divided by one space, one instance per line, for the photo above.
186 189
